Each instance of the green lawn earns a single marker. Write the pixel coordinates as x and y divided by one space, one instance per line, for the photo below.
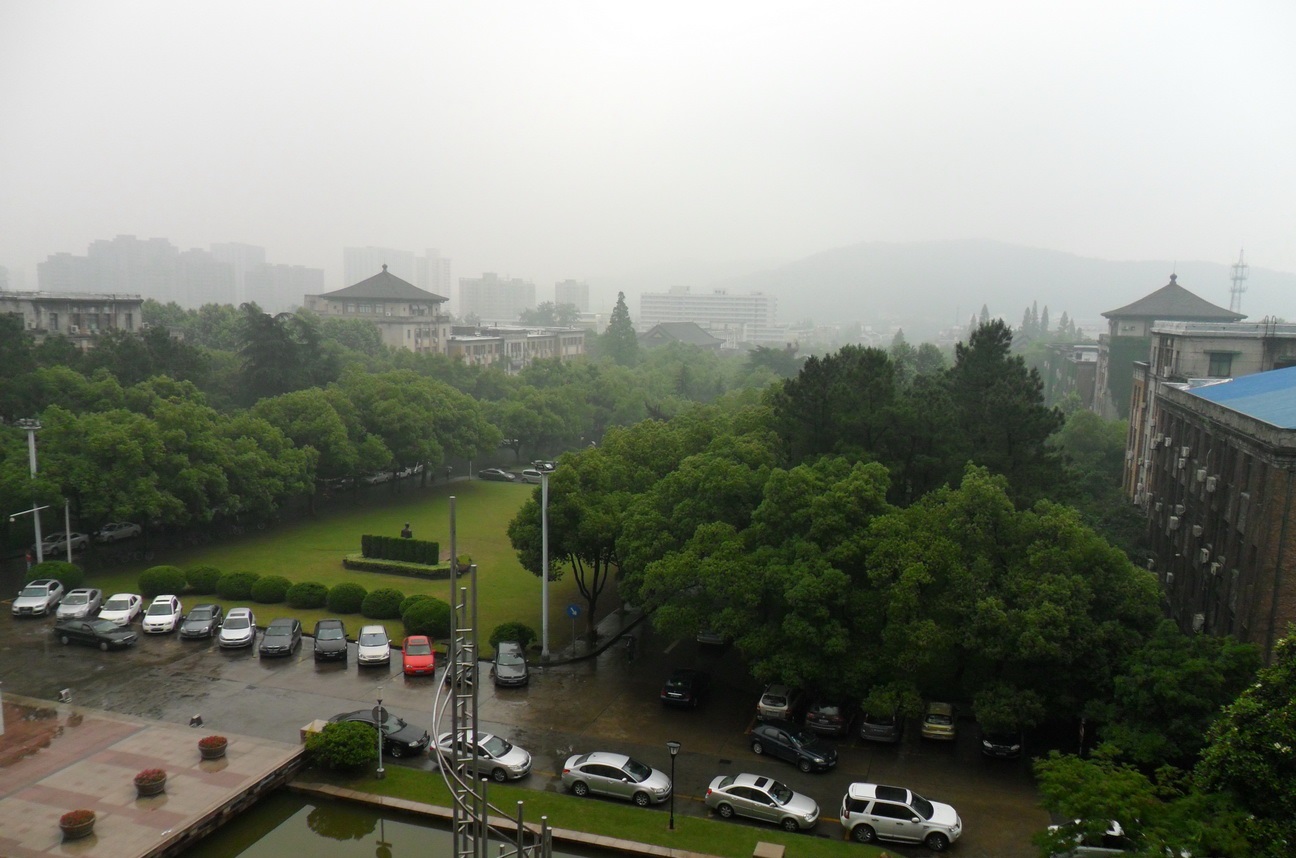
613 819
312 550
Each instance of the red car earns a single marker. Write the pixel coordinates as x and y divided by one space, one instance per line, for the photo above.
417 658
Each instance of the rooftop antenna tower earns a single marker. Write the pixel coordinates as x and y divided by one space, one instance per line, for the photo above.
1239 284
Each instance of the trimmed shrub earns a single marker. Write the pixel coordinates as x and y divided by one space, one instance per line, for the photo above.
70 575
410 601
346 598
307 594
202 579
343 745
270 589
431 617
161 579
383 604
236 586
520 632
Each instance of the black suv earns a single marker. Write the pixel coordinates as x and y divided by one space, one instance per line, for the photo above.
805 749
330 641
282 637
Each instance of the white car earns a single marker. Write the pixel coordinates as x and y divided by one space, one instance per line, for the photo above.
38 598
238 630
872 812
114 531
373 646
57 543
531 475
163 615
496 758
122 608
82 603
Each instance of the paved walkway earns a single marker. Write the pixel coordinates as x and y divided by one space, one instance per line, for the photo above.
58 757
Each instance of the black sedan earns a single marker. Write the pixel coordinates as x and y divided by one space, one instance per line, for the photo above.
104 634
202 622
496 474
806 750
282 637
399 738
685 687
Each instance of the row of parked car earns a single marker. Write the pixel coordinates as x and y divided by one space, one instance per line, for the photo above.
59 541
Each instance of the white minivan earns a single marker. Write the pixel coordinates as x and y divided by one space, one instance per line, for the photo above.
373 646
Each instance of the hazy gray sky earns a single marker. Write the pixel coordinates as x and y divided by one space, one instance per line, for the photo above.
553 140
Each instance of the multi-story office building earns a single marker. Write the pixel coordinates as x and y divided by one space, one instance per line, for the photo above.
513 348
407 317
494 300
718 311
243 258
432 272
359 263
78 316
572 292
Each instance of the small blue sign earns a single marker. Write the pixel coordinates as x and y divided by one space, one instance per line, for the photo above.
573 611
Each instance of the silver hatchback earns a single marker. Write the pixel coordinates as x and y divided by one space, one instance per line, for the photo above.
759 797
616 775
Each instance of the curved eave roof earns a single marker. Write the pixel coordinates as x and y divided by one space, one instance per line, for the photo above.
1174 303
385 286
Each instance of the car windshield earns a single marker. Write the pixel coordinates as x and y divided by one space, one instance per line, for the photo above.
392 724
76 599
782 794
236 623
496 747
117 605
922 806
34 591
418 649
509 658
162 608
278 631
373 639
328 634
200 614
104 626
774 700
637 770
939 719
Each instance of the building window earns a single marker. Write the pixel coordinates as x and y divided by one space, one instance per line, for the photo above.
1221 364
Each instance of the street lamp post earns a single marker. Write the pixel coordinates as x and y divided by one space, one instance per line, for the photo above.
673 747
380 718
32 427
544 567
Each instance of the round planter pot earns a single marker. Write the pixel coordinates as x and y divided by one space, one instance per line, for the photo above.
213 753
76 832
153 788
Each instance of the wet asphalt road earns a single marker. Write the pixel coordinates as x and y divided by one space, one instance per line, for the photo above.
608 702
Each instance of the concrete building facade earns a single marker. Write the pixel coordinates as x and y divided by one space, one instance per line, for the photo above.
573 292
494 300
78 316
407 317
717 310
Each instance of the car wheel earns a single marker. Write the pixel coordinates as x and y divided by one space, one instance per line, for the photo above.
579 788
863 834
103 645
790 824
499 776
642 799
725 811
937 842
758 748
63 639
804 765
396 751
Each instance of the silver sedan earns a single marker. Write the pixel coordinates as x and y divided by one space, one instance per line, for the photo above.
759 797
616 775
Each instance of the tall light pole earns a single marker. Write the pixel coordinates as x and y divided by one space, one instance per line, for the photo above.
380 718
32 427
544 565
674 748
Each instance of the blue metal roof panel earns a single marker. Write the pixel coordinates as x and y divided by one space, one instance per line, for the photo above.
1267 396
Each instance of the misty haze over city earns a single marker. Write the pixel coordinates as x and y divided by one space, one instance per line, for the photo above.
644 147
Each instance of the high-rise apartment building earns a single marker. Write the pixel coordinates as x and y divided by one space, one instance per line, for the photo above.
279 288
714 310
432 272
572 292
359 263
494 300
242 258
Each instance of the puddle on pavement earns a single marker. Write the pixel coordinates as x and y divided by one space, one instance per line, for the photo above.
26 729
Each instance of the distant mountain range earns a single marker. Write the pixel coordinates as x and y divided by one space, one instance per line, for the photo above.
925 287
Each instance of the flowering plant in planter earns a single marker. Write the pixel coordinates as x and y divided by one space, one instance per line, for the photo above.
211 743
76 818
150 776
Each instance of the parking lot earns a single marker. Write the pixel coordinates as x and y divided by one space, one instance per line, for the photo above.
609 702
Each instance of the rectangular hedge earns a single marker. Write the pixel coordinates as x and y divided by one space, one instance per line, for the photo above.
359 563
403 550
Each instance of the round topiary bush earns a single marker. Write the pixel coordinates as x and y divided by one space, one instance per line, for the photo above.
236 586
411 601
342 745
307 594
161 579
383 604
271 589
202 579
70 575
515 631
346 598
430 617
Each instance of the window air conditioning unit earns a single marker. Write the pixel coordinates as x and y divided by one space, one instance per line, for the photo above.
1151 563
1185 451
1169 578
1221 560
1156 442
1197 530
1203 556
1179 509
1199 622
1182 463
1201 475
1211 483
1173 524
1129 454
1214 568
76 329
1157 506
